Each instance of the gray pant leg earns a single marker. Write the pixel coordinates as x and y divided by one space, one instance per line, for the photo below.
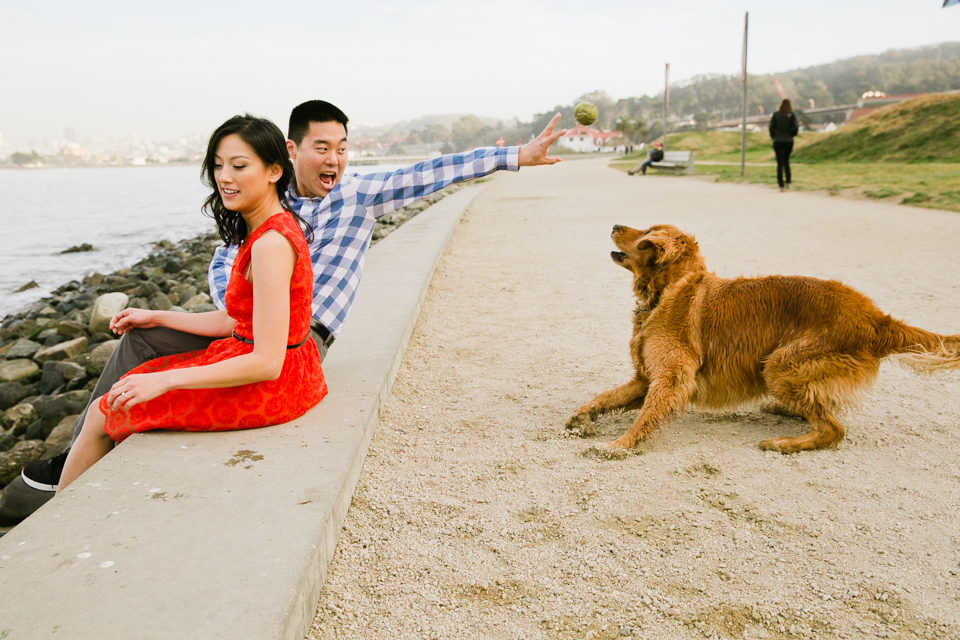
135 348
321 347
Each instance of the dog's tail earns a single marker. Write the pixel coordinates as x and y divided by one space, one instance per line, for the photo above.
921 350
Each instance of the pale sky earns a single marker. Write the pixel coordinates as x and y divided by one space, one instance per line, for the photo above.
172 68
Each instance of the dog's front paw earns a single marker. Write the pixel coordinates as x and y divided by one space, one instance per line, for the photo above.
581 424
607 451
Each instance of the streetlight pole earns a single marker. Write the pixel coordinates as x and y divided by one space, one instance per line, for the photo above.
743 79
666 104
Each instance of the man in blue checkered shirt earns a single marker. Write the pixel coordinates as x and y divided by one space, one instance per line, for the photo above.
342 209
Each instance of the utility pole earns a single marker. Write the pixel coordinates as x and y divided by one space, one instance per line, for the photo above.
743 79
666 104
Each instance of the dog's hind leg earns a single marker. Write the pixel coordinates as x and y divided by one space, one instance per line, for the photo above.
812 384
778 409
625 397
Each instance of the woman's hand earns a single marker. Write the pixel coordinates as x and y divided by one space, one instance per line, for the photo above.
129 319
137 388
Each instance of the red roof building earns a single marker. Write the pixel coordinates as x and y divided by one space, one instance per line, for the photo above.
585 140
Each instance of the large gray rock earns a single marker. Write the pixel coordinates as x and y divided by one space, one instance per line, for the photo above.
11 393
61 405
182 293
18 417
99 356
147 290
8 441
71 329
59 438
23 348
23 453
106 306
48 333
21 328
62 351
160 302
200 298
22 369
56 374
49 313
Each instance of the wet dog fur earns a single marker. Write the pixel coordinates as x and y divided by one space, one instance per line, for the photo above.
809 345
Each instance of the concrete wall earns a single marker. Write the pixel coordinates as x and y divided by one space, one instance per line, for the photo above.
224 535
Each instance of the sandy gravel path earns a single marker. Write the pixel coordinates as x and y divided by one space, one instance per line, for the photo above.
476 517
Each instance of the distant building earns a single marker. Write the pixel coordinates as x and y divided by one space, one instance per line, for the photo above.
586 140
873 100
73 150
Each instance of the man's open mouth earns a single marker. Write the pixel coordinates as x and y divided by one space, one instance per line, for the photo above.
328 179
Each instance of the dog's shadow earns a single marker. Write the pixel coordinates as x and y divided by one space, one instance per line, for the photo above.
749 424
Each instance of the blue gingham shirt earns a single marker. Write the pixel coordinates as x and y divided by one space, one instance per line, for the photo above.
343 223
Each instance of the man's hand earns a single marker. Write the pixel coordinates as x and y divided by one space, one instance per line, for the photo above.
535 152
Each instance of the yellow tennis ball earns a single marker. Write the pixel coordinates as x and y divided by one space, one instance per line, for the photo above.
585 113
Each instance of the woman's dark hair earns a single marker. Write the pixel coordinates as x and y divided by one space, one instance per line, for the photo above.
267 141
785 107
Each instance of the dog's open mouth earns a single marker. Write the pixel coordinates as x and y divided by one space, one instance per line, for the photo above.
618 256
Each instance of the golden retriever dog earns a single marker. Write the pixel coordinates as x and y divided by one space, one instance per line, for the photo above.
809 345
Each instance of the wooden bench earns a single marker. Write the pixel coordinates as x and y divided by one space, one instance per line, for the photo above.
676 161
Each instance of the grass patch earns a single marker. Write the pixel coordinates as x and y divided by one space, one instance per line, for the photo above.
939 182
881 193
924 129
917 198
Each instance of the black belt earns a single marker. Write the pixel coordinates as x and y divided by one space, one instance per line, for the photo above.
325 335
289 346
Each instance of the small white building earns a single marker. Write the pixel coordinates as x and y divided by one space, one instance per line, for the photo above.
586 140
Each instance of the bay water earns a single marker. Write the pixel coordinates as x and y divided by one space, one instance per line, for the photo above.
121 211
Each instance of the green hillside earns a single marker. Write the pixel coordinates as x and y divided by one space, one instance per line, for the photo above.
925 129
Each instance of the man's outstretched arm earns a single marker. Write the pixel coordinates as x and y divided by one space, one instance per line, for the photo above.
382 193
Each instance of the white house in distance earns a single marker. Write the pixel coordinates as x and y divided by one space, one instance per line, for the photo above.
585 140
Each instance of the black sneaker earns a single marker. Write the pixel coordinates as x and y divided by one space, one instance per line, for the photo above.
44 475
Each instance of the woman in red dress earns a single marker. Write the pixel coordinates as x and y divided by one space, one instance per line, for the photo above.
265 370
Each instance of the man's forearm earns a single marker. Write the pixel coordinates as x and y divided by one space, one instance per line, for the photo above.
404 186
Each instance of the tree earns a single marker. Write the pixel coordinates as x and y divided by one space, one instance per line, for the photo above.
26 158
434 133
634 130
469 131
396 149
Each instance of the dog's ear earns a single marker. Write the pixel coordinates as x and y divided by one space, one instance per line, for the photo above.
666 248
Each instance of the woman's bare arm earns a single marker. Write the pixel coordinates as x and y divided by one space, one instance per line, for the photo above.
215 324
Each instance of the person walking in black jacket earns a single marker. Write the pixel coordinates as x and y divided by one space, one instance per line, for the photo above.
783 127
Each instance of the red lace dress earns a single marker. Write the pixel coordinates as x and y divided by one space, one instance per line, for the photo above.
300 385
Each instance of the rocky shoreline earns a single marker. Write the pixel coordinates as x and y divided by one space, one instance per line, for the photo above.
53 351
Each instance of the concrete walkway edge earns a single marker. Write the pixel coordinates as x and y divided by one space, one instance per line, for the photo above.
225 535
